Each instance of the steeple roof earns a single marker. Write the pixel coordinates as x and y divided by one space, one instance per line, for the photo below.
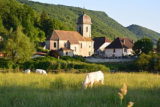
84 19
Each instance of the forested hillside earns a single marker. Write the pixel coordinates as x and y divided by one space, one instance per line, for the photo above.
144 32
36 26
22 29
103 25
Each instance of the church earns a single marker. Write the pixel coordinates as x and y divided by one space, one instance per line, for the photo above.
71 43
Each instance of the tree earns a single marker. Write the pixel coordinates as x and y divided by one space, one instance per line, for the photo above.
158 46
144 45
18 46
143 61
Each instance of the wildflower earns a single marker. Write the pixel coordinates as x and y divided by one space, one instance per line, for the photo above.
130 104
122 93
123 90
121 96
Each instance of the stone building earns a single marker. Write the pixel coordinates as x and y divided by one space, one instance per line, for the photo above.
100 43
69 43
119 47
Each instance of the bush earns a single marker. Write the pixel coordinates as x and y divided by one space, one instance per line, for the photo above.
6 63
74 58
42 50
149 62
53 64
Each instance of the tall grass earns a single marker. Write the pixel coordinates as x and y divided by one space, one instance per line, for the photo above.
65 90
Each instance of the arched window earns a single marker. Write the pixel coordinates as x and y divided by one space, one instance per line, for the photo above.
80 29
86 29
55 45
75 49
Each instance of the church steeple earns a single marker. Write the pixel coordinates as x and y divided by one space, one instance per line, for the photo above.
84 25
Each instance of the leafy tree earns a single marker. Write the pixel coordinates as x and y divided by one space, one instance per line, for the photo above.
18 46
144 45
158 46
143 61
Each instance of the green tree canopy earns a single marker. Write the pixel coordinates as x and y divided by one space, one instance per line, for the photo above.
144 45
158 45
18 46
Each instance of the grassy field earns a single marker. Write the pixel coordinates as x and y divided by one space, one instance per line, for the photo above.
65 90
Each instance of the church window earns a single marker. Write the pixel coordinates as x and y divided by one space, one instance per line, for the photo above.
75 49
86 29
55 45
65 45
80 29
125 50
66 53
81 45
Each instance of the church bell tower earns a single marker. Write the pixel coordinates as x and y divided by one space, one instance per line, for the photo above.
84 25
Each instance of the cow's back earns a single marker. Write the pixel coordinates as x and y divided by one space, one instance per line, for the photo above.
96 76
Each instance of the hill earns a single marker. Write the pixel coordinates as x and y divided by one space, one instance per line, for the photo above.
103 25
144 32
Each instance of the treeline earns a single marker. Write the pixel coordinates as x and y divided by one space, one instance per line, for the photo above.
22 29
148 56
37 26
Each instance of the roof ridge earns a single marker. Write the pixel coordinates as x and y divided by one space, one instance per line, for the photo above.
66 30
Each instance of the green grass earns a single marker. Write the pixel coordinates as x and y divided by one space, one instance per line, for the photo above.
65 90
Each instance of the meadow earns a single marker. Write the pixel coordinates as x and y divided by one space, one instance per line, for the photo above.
65 90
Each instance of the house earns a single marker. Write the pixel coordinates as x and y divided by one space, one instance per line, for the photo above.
70 43
100 43
119 47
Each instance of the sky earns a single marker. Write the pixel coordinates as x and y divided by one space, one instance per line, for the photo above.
145 13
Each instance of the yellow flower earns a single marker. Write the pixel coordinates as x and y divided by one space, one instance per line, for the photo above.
123 90
121 96
130 104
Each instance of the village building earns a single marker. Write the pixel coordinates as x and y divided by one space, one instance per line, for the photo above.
100 43
119 47
70 43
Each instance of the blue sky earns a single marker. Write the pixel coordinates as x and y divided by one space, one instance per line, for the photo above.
141 12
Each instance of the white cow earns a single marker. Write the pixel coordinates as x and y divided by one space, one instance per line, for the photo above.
92 78
27 71
41 71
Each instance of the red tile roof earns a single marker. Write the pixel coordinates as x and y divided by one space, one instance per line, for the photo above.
84 19
121 43
72 36
99 41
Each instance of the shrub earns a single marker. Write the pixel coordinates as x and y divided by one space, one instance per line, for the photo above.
143 61
6 63
149 62
42 50
57 65
74 58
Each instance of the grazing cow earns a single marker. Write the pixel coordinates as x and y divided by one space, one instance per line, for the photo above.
27 71
92 78
41 71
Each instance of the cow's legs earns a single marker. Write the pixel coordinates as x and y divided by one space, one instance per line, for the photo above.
91 84
102 82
